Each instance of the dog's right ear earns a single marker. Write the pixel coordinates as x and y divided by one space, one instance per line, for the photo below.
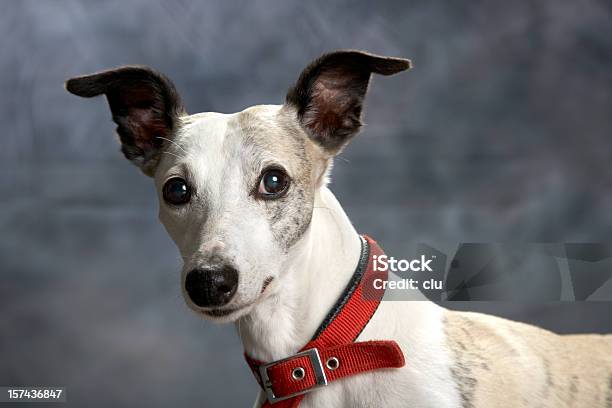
328 95
144 104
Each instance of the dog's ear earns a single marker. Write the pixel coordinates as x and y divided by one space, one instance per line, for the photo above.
329 94
144 104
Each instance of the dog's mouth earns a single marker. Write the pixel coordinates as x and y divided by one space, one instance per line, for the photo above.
229 311
266 283
220 312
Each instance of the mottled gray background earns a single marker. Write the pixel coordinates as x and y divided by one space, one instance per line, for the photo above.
501 132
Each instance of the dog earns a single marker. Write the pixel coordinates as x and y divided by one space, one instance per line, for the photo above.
266 245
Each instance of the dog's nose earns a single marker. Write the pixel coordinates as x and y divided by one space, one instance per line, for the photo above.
212 286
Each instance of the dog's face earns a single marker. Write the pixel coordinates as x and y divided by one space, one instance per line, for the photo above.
237 191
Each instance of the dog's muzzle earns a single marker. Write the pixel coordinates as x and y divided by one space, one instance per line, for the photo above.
211 286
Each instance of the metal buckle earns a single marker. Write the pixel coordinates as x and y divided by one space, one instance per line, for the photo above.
317 366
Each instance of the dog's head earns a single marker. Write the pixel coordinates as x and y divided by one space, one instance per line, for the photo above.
236 191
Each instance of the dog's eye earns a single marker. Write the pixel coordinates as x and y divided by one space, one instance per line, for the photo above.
273 183
176 191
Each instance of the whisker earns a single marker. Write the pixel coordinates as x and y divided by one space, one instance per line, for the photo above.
344 159
239 329
177 156
173 142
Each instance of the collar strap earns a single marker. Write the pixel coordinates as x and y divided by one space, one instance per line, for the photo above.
333 354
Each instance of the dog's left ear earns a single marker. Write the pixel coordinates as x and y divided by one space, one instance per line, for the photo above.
328 95
145 106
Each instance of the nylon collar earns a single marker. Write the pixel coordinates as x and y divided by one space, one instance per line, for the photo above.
332 353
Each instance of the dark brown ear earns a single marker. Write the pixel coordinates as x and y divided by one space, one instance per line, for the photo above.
144 104
329 94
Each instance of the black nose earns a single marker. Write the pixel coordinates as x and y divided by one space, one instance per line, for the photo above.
212 286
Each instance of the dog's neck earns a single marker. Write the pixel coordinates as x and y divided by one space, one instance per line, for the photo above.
319 268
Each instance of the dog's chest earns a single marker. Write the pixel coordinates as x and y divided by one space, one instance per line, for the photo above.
425 380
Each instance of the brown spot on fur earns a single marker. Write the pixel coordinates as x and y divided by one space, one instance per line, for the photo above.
474 366
549 380
609 396
463 369
271 137
573 389
528 366
466 383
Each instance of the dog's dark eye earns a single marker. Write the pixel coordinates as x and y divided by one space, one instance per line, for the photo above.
176 191
273 183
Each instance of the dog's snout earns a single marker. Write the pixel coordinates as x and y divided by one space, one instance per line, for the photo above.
211 286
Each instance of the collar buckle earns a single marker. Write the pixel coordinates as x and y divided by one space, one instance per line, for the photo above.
317 366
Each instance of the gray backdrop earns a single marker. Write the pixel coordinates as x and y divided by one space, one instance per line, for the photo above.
501 132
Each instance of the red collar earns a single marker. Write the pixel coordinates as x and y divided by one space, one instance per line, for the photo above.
332 353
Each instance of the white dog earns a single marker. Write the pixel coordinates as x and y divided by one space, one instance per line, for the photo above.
266 245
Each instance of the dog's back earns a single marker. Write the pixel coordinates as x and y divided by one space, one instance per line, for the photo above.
498 362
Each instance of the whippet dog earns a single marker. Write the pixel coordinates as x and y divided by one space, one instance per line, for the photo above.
266 245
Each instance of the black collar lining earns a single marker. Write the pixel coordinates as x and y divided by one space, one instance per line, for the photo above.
364 258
